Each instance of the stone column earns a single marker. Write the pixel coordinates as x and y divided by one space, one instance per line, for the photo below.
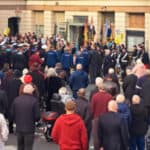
48 23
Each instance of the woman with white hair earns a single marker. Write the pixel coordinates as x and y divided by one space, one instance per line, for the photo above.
52 83
65 96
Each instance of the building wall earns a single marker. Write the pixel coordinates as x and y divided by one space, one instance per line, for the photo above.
92 9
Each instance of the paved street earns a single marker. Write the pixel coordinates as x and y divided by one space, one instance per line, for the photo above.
40 143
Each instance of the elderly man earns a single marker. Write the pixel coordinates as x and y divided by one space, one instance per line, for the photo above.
113 134
25 111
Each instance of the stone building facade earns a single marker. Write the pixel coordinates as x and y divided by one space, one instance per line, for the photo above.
129 19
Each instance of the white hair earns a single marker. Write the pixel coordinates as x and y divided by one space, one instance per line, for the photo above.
62 91
51 72
98 82
28 88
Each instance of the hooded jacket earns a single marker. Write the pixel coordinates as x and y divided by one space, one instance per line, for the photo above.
70 133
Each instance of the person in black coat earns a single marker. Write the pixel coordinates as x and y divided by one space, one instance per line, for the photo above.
113 133
25 111
83 109
107 62
12 91
19 59
139 124
129 84
52 85
95 63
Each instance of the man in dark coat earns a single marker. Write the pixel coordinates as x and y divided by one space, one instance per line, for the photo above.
129 84
113 133
19 60
139 124
145 93
107 62
25 111
12 92
78 79
95 63
83 109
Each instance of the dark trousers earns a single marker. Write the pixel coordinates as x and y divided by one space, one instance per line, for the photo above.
137 143
25 141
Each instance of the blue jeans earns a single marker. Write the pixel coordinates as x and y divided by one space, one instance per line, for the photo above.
138 142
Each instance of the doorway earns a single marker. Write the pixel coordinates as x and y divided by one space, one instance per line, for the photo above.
77 34
13 24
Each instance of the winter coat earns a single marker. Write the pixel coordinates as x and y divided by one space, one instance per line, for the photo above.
129 85
139 124
25 111
51 58
145 92
124 111
78 79
113 134
52 85
83 109
3 103
99 103
19 61
67 60
70 133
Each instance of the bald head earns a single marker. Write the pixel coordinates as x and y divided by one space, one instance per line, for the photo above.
79 67
112 106
136 99
81 92
120 98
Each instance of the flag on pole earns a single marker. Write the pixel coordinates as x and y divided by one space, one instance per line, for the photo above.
86 30
91 30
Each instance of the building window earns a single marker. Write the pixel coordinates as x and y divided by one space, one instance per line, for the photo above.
39 22
80 19
136 20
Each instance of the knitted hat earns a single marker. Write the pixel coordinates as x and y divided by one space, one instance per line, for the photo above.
27 79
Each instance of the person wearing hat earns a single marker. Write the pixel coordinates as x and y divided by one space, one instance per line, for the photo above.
69 130
25 111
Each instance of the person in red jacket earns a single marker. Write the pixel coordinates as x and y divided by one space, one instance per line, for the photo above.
69 130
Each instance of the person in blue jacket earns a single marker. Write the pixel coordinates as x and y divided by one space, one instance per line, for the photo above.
67 60
78 79
51 58
85 54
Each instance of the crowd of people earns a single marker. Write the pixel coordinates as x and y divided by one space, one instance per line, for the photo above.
35 71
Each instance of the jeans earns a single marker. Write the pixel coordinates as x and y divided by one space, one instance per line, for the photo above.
25 141
138 142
